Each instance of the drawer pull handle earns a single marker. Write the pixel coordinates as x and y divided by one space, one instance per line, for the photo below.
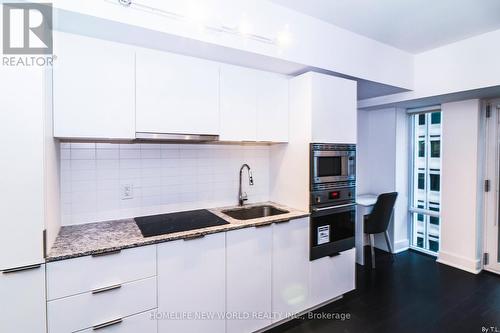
284 221
20 269
193 237
101 290
106 253
106 324
263 225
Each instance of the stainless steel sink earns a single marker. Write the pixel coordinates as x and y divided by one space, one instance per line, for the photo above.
254 212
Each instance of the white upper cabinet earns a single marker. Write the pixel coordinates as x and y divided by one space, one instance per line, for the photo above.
238 104
249 262
334 109
93 88
272 107
254 105
176 94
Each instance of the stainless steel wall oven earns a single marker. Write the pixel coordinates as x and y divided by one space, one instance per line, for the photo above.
332 199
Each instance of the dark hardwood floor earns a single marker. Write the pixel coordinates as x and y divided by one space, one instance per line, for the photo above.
413 294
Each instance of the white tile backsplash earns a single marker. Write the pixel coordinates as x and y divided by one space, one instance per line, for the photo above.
164 178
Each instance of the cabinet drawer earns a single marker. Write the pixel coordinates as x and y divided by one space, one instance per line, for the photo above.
332 276
74 276
86 310
141 322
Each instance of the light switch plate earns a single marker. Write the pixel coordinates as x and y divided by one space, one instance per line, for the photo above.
127 191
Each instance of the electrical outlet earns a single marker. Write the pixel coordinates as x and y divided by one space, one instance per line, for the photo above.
127 191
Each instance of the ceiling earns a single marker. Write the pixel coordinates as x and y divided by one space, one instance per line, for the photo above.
411 25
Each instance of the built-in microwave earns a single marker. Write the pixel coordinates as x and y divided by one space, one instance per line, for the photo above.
332 163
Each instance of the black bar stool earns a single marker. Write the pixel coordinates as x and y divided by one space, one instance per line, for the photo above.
378 220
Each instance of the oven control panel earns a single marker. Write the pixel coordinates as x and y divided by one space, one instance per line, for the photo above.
333 196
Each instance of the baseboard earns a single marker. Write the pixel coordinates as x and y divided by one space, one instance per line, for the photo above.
398 247
469 265
401 245
299 314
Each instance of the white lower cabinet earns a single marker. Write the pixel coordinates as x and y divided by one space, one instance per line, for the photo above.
143 322
192 285
97 308
22 300
332 276
249 278
104 291
291 292
79 275
240 281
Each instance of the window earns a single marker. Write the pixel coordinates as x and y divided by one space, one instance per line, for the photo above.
420 242
421 119
435 182
436 118
421 148
434 220
421 181
426 181
435 148
433 246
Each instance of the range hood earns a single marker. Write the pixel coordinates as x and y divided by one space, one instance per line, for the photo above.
171 137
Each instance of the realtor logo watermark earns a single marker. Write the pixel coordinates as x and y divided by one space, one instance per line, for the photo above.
27 30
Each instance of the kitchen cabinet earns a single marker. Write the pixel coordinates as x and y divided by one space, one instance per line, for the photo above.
291 292
254 105
137 323
101 306
249 278
22 165
176 94
94 88
79 275
331 277
192 283
272 107
100 289
22 301
238 104
333 109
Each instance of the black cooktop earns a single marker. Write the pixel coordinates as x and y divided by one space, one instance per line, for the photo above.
176 222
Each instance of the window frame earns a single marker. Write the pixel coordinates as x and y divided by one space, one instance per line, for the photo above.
413 175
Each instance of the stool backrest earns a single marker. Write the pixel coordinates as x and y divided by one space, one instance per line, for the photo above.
378 220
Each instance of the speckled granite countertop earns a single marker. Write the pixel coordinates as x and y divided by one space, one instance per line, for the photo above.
101 237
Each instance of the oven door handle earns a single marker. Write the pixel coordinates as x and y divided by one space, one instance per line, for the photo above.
315 209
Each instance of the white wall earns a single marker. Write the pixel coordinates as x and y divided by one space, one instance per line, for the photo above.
314 43
165 178
460 209
465 65
382 166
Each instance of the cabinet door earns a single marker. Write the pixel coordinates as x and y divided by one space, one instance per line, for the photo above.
291 292
141 322
93 88
176 94
22 304
191 283
272 107
22 165
238 98
249 260
334 109
332 276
